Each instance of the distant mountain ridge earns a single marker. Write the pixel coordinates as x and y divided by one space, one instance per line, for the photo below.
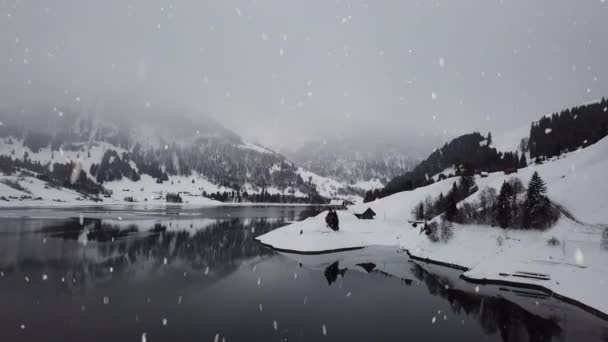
354 162
102 150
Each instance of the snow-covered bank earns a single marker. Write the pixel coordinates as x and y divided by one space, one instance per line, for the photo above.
575 267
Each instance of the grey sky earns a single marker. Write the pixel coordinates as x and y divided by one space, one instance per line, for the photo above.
283 72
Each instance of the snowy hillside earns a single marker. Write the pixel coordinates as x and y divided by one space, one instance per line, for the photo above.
86 158
575 181
353 161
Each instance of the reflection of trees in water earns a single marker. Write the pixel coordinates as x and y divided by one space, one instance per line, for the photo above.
221 246
225 242
495 315
333 271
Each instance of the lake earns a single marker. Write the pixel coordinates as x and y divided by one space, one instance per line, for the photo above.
197 274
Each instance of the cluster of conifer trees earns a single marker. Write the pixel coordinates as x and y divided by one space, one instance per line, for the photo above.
568 130
471 151
264 197
514 206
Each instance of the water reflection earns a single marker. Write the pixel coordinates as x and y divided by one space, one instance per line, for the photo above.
64 278
514 314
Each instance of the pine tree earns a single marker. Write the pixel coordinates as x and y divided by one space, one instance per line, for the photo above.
537 208
467 182
522 161
332 220
504 214
451 210
420 211
489 138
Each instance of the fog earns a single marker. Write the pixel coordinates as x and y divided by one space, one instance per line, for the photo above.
284 73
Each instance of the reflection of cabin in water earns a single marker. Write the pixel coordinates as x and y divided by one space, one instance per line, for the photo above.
367 215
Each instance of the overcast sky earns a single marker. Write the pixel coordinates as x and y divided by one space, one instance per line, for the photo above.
284 72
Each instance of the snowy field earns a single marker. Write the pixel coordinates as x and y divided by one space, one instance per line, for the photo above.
577 268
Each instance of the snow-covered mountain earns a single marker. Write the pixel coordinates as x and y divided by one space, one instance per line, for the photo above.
78 155
354 161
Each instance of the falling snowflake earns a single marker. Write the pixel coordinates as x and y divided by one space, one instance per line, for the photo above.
477 289
259 281
275 325
433 96
106 300
433 320
441 62
579 257
164 322
324 328
548 130
260 307
143 337
45 277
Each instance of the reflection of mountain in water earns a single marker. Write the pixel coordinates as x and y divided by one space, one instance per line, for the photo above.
215 251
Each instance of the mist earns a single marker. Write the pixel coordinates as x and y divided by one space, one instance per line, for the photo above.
286 73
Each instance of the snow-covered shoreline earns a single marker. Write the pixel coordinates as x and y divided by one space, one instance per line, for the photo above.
474 251
575 267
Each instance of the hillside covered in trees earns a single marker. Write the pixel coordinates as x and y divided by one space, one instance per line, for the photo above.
468 152
551 136
569 130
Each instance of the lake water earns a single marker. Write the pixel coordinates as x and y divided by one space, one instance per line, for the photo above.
155 274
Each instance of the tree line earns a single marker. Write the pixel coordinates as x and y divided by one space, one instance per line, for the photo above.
568 130
514 206
469 152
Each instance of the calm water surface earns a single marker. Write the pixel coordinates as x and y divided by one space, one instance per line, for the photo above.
157 274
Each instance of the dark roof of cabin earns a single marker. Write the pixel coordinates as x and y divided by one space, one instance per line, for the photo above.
369 211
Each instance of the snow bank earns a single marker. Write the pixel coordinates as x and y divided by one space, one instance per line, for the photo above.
313 236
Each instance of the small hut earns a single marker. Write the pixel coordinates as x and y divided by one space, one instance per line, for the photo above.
337 204
367 215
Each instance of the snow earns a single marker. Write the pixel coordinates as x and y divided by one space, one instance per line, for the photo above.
577 268
509 141
368 185
326 187
254 147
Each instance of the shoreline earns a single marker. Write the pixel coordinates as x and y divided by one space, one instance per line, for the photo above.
587 308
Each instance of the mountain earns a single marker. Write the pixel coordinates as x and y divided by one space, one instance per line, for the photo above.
354 161
123 155
548 137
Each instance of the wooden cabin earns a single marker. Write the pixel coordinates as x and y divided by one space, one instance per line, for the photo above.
337 204
369 214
